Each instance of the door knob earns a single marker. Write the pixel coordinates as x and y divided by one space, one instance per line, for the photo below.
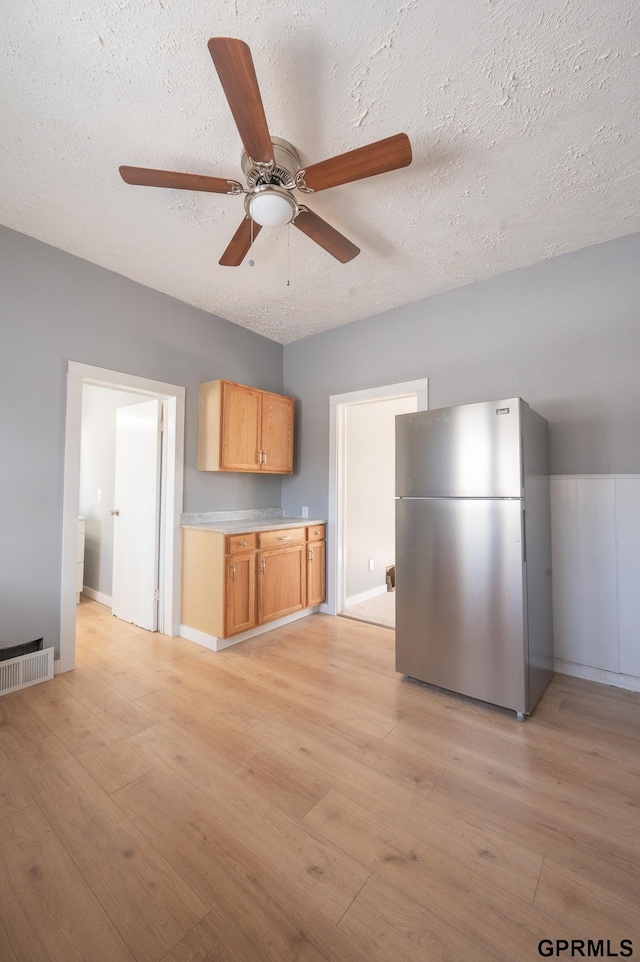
116 512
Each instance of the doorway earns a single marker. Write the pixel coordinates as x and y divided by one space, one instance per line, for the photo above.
369 493
120 468
172 471
340 406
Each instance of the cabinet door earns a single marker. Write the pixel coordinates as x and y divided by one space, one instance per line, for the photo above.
240 441
281 582
316 552
277 434
240 593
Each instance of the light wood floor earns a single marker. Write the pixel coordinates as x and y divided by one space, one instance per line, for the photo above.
293 798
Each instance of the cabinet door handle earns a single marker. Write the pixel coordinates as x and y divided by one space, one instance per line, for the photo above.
264 457
233 572
262 565
259 457
310 554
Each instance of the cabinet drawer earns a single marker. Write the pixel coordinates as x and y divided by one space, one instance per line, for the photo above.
240 542
317 532
280 537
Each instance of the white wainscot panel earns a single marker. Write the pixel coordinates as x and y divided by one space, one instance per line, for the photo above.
628 565
584 571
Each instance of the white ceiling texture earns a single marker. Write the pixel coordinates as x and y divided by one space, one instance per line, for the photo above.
523 117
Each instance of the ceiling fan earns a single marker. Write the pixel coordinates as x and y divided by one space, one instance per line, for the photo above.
272 166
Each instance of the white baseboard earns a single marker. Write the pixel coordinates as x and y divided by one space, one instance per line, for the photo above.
219 644
98 596
365 595
619 680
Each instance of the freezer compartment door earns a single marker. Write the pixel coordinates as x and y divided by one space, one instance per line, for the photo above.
471 451
460 619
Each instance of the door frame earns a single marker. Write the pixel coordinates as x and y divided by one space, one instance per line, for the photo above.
172 484
338 404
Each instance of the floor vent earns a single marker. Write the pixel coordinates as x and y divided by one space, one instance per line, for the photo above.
26 670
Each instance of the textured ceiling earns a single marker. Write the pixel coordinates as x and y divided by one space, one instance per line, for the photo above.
523 117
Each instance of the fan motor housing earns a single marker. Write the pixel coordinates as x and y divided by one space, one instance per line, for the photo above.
287 163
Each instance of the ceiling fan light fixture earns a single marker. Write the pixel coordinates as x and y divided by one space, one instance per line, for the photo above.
271 206
272 166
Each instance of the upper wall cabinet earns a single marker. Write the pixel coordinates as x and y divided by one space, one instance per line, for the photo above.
243 429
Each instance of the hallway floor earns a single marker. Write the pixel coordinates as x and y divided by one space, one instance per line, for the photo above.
380 610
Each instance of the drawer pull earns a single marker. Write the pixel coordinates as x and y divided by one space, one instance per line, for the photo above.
287 538
243 544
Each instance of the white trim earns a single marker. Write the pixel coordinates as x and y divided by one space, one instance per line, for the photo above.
170 571
70 511
77 375
219 644
617 679
97 596
365 595
338 404
101 377
388 391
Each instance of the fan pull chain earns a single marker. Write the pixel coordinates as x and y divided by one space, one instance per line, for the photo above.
288 258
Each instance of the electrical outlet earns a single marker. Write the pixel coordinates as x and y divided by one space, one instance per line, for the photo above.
370 564
305 512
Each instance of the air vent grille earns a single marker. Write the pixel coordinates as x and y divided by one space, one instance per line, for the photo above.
26 670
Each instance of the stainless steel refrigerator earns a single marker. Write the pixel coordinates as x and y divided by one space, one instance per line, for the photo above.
473 551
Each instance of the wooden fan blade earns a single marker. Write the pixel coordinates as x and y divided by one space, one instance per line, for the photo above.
326 236
146 177
240 243
376 158
232 59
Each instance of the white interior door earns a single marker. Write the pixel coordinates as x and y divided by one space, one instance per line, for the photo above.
136 514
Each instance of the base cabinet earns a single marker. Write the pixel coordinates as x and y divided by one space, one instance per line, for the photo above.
232 583
240 593
316 567
281 582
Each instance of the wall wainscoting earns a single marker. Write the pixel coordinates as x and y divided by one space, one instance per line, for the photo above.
595 525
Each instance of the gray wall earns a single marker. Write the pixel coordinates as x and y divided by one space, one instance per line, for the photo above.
55 307
564 335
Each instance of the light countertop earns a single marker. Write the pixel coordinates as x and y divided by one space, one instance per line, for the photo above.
247 525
